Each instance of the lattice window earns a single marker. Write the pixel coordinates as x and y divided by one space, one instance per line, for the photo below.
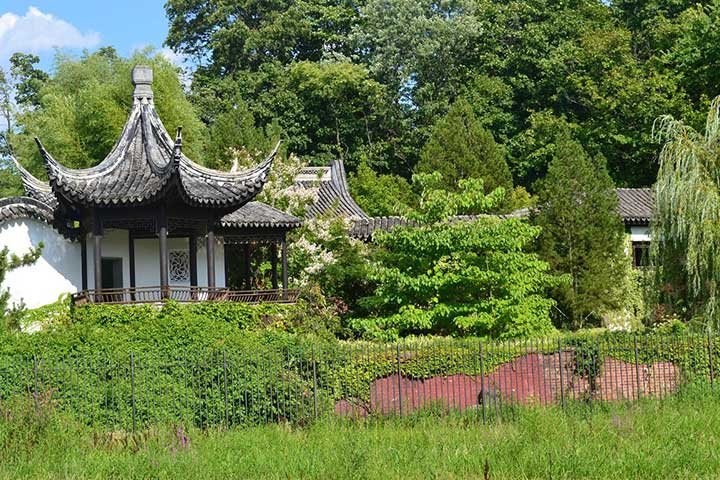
179 265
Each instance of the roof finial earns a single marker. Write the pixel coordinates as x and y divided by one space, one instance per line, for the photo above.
142 78
177 149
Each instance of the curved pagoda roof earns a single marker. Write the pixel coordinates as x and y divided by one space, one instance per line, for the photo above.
146 163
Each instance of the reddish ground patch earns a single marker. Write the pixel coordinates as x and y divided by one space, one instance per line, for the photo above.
530 378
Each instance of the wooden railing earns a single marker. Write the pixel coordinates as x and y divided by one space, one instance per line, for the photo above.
184 295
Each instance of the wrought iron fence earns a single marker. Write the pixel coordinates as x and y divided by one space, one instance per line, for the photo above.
300 382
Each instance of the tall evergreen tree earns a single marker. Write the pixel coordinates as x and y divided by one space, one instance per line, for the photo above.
582 232
460 148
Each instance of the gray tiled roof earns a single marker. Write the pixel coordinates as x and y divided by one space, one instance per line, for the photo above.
636 205
146 163
33 187
259 215
333 194
25 207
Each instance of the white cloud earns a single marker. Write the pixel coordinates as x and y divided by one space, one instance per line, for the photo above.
36 32
177 59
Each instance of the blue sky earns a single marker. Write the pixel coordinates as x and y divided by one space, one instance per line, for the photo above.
40 25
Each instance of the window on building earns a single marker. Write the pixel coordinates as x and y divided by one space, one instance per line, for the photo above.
179 266
641 254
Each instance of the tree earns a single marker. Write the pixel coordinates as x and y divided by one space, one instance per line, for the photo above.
83 107
381 195
582 232
687 213
459 148
27 78
445 276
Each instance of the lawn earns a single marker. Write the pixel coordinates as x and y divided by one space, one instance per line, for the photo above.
675 438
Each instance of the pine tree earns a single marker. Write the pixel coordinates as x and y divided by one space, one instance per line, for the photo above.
582 232
460 148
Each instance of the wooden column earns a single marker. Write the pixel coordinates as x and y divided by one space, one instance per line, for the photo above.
83 260
211 256
283 248
247 280
274 265
193 261
97 253
162 234
131 255
131 261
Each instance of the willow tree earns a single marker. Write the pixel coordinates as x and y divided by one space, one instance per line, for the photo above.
686 225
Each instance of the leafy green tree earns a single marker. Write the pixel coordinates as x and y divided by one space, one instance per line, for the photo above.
381 195
687 207
459 277
582 233
459 148
245 34
83 108
28 79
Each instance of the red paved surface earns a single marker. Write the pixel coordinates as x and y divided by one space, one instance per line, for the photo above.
527 379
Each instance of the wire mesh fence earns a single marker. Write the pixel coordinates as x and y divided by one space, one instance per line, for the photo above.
298 383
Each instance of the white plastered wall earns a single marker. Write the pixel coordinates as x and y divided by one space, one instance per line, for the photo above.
56 272
639 234
147 261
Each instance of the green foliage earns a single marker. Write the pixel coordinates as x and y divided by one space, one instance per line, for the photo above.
381 195
687 207
645 440
83 107
28 79
582 234
459 148
459 277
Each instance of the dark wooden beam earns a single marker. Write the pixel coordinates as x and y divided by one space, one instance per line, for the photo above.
211 256
247 280
193 261
131 254
162 234
97 253
274 265
283 248
83 260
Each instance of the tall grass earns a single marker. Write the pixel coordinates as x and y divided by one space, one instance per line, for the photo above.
675 438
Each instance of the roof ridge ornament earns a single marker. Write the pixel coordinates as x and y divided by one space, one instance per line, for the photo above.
177 148
142 79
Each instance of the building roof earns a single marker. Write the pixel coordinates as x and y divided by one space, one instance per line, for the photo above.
33 187
636 205
259 215
333 194
14 208
146 163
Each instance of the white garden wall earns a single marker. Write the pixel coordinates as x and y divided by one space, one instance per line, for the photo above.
56 272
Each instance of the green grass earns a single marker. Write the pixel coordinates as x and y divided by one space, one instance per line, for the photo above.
675 438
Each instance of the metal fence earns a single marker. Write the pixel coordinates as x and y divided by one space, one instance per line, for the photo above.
299 382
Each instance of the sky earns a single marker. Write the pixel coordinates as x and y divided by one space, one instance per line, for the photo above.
41 26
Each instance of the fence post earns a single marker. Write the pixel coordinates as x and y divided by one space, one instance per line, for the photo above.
400 399
482 384
710 361
562 367
35 382
227 415
132 391
315 397
637 366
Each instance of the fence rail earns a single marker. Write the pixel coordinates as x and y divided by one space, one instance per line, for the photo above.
300 382
184 294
